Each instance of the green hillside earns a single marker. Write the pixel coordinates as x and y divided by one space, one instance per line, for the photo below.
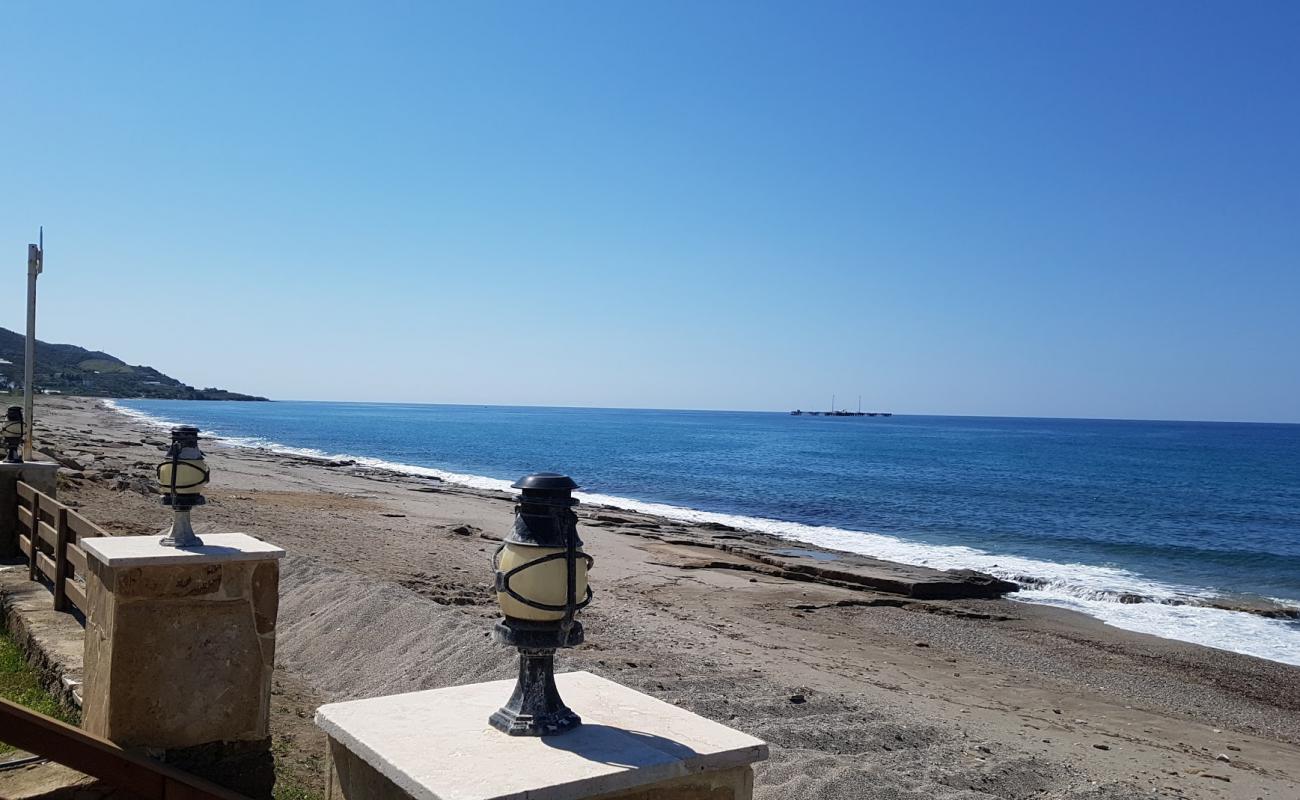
68 369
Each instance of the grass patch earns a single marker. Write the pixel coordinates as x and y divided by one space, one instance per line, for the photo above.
288 780
283 792
20 684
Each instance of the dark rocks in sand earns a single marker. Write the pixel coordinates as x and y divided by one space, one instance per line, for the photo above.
627 522
60 458
1258 607
465 530
798 699
318 462
425 489
916 582
976 583
1102 746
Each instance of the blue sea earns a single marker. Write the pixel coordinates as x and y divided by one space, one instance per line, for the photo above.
1091 515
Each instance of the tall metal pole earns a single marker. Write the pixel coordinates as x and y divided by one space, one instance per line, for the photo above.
35 262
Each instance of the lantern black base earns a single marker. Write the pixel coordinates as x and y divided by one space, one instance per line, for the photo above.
182 502
535 708
529 635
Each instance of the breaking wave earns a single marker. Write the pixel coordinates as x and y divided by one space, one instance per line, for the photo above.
1113 595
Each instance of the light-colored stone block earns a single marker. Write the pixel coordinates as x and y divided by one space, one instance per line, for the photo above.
437 745
218 548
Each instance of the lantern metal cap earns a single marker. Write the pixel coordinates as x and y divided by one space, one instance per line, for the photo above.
14 413
546 481
185 433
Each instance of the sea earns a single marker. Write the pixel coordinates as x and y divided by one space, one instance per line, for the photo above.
1147 526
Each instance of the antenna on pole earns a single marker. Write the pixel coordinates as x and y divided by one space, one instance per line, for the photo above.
35 264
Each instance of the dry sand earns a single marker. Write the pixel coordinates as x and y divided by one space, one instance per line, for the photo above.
862 694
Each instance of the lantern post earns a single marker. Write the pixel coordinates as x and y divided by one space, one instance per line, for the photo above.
541 583
35 265
13 432
181 477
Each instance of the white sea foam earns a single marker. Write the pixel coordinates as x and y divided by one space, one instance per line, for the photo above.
1166 610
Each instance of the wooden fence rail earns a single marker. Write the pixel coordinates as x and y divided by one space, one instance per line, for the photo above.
48 535
99 758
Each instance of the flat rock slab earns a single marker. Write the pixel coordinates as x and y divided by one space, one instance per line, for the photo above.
845 570
141 551
437 745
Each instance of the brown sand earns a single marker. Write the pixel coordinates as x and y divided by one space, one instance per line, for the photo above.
861 694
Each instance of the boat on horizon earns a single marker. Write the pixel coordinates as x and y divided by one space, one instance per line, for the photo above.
833 412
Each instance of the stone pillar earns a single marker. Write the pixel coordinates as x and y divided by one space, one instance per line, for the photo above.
180 645
438 744
40 474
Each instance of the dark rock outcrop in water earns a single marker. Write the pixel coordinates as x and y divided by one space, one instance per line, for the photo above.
68 369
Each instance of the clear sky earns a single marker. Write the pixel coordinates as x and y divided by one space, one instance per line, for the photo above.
1056 209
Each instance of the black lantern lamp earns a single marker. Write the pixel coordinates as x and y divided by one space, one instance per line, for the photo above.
181 476
13 431
541 583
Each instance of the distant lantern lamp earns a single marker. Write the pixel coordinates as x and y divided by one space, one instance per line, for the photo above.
541 583
13 432
181 477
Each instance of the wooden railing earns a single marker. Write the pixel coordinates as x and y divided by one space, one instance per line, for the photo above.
99 758
49 534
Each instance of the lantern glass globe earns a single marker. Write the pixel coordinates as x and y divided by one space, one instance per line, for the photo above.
545 583
190 474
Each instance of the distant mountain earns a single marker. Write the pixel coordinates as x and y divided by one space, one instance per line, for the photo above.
68 369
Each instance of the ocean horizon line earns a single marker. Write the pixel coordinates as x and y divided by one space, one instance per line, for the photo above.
892 414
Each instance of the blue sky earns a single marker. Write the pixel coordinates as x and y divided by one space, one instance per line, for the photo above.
1055 209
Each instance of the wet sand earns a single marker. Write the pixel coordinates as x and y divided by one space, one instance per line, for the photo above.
863 692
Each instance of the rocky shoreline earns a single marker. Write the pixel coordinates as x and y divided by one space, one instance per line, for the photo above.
865 680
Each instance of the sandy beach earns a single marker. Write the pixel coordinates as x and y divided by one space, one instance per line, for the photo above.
861 690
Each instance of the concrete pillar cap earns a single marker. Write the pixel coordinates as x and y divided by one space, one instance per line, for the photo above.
437 745
144 551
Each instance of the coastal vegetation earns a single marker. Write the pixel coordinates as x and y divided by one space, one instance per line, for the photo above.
69 369
20 684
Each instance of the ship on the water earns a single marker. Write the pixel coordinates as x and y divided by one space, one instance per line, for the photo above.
834 412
